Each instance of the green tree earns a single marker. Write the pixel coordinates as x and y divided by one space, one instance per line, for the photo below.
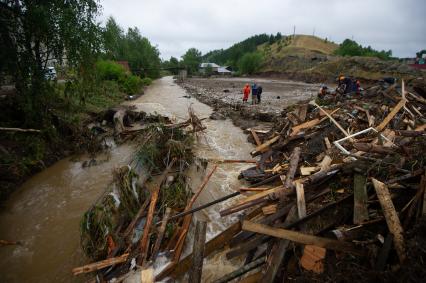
113 39
191 60
352 48
38 32
250 63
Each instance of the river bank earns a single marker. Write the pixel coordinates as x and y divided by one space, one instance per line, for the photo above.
58 196
224 95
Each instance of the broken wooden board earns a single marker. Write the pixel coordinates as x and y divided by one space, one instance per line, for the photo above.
360 199
306 171
391 217
313 258
270 209
301 238
392 114
100 264
265 145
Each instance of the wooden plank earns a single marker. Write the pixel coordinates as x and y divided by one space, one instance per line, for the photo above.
303 109
306 171
325 163
270 209
100 264
256 138
391 216
360 199
327 143
392 114
301 204
306 125
265 145
198 252
332 119
301 238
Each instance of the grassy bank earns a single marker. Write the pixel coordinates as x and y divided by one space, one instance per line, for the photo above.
64 132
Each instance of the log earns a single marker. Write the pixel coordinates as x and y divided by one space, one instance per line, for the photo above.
391 217
160 236
100 264
237 273
19 130
188 218
392 114
198 252
154 197
360 199
301 238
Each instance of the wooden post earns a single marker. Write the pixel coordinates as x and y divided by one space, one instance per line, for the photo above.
360 199
391 217
288 183
198 252
161 234
301 204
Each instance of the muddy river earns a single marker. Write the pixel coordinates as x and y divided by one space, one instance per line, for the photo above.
44 214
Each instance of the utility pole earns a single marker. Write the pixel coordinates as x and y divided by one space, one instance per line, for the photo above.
294 31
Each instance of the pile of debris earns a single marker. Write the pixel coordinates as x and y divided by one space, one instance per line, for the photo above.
337 195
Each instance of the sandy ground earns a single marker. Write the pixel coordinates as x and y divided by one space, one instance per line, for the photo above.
277 94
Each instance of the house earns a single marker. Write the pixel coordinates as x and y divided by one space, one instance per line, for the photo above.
215 69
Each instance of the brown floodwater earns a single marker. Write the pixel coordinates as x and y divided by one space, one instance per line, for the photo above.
44 214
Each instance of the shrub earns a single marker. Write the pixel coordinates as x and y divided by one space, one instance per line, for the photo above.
250 63
146 81
131 84
109 70
352 48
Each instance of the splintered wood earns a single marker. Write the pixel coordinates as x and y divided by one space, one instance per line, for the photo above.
391 217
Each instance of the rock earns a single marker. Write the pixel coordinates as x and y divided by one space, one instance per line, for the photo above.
217 116
226 90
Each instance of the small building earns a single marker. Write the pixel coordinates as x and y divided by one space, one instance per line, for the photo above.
215 69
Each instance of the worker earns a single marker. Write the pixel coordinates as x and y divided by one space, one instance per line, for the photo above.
253 93
259 93
323 91
246 93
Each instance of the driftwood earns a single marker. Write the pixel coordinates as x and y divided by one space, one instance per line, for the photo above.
391 217
100 264
154 197
302 238
288 183
160 236
188 218
264 146
198 252
214 244
20 130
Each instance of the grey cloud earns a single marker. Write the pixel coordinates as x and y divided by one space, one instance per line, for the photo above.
176 26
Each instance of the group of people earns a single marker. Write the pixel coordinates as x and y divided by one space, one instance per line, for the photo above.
256 93
345 85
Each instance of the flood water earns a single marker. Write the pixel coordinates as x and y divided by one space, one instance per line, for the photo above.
45 212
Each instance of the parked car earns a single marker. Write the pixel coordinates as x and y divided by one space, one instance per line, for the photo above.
50 73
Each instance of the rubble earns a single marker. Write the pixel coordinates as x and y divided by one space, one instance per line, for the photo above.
337 194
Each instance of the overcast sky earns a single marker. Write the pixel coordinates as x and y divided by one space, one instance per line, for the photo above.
176 25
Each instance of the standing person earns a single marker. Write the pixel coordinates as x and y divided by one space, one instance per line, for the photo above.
259 93
253 93
246 93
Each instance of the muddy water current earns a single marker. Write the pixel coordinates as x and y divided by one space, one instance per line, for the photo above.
45 212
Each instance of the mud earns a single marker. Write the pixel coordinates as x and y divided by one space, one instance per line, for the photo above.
224 95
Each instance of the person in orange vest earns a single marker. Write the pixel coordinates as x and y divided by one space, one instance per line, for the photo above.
246 93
